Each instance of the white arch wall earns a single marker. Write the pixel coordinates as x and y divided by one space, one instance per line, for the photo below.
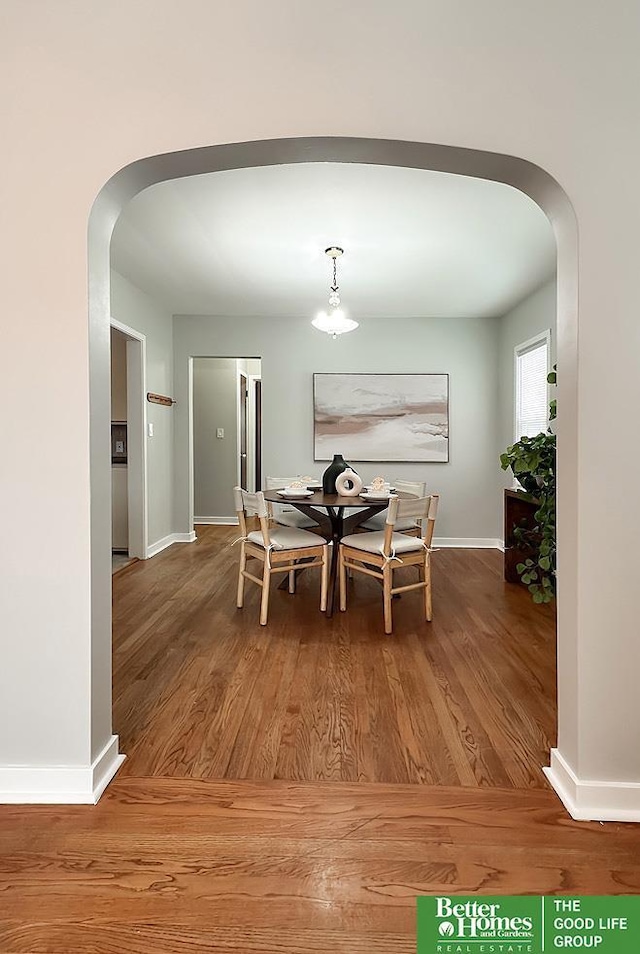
485 77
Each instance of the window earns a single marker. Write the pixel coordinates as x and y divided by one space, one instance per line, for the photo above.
532 399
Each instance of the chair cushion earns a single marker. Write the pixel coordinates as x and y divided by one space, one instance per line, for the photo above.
373 542
378 521
288 538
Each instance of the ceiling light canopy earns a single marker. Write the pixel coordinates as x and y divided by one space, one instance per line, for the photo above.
335 322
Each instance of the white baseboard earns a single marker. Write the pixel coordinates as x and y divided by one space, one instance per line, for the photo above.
168 541
217 521
469 543
591 800
159 545
189 537
60 784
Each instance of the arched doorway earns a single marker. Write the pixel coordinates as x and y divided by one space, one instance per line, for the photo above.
520 174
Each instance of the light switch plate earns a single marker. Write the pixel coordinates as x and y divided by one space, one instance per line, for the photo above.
220 433
150 429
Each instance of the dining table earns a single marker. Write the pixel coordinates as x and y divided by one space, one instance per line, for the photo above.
329 512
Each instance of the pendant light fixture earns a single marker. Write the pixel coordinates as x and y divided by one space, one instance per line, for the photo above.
335 322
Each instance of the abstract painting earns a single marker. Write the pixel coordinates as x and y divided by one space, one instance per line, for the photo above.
381 417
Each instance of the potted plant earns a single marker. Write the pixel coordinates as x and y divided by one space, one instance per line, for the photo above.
533 463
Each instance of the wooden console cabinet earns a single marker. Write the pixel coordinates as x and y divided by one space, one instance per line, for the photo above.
519 510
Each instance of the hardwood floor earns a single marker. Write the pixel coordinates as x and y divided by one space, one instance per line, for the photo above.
331 855
201 690
181 866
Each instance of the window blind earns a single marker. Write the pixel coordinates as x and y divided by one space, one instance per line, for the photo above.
532 411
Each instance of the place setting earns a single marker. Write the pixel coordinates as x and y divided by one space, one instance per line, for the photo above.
378 489
299 488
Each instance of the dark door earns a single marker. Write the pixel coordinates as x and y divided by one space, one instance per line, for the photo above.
243 430
257 395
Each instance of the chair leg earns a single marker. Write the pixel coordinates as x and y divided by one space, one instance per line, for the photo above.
264 602
387 580
243 563
292 581
428 610
342 572
324 579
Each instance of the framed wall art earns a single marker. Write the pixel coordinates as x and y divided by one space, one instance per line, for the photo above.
381 417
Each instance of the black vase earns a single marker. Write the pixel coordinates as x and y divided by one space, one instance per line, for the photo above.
337 466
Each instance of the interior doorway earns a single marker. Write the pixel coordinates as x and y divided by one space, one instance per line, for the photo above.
227 430
515 172
119 453
128 446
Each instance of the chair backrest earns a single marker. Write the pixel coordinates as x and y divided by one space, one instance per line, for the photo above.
276 483
416 487
248 505
425 511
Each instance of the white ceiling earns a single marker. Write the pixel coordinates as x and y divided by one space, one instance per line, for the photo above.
250 242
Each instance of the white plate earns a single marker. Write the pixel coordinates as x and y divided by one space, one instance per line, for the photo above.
296 493
387 495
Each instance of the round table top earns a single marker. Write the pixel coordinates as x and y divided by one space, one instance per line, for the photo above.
320 499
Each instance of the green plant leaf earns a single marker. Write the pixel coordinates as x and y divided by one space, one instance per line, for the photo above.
533 461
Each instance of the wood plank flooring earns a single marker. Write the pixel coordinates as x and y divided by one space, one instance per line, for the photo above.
408 765
177 866
201 690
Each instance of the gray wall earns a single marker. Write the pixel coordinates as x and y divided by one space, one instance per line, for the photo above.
215 461
138 310
530 317
292 350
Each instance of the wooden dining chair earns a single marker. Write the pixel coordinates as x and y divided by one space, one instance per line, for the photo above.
380 553
279 549
286 515
417 488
